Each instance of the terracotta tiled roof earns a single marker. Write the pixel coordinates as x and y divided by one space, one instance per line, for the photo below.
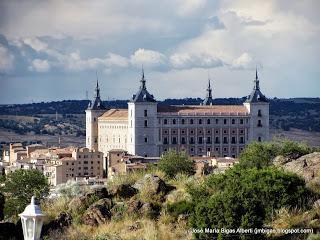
203 110
115 114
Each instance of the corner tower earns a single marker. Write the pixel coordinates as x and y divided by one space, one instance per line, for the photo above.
95 109
142 123
258 107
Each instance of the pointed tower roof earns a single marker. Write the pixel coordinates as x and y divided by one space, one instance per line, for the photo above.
256 95
208 100
96 104
143 95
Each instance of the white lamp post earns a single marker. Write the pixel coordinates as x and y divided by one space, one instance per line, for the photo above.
32 220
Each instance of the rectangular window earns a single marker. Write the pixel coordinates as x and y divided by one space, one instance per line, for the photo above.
174 140
225 140
208 140
183 140
200 140
165 140
224 121
217 140
241 121
146 113
145 123
233 140
145 140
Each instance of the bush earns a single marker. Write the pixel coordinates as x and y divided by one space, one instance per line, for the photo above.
172 163
260 155
244 198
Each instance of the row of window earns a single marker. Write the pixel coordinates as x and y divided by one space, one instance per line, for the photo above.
183 131
84 162
217 149
87 156
200 121
202 140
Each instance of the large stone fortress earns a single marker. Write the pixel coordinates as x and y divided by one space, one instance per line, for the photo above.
149 129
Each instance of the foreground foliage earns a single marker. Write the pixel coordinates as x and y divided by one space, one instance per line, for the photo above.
18 188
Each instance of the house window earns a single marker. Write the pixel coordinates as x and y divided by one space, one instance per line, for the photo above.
183 140
145 140
191 132
200 121
259 139
182 121
165 121
191 140
165 140
224 131
225 140
259 123
208 121
200 140
217 120
224 121
217 140
233 121
259 113
241 121
208 132
233 140
217 131
208 140
174 121
182 132
191 121
146 113
241 140
145 123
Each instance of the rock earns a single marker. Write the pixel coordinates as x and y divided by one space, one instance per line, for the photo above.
64 220
154 183
307 166
316 204
134 206
101 192
124 191
78 204
134 227
150 210
280 160
98 213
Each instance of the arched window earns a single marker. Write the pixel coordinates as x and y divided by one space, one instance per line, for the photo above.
208 121
173 121
259 113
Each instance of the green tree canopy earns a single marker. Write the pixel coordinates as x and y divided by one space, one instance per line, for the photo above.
19 186
173 162
244 198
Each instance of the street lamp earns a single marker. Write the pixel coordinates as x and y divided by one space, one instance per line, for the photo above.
32 220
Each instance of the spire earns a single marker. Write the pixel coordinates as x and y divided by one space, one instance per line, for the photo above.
256 81
208 100
97 87
143 80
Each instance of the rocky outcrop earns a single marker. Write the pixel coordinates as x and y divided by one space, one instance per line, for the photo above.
64 220
98 213
280 160
124 191
307 166
154 183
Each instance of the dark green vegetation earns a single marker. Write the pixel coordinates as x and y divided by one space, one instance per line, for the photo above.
174 162
18 188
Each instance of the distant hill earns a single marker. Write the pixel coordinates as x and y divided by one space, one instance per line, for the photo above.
300 113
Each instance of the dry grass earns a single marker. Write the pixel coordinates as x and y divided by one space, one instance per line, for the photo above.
52 208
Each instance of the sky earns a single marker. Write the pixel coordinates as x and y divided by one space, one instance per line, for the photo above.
52 50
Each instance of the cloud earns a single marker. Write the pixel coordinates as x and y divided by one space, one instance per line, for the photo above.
6 59
185 60
40 65
245 61
147 58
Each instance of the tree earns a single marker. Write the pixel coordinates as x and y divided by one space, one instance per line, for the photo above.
244 198
20 186
173 162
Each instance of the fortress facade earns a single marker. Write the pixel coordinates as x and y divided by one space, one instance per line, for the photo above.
148 129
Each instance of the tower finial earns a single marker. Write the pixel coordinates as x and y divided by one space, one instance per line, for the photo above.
256 81
143 80
97 87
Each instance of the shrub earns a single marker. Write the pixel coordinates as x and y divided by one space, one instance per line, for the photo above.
174 162
245 198
183 207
